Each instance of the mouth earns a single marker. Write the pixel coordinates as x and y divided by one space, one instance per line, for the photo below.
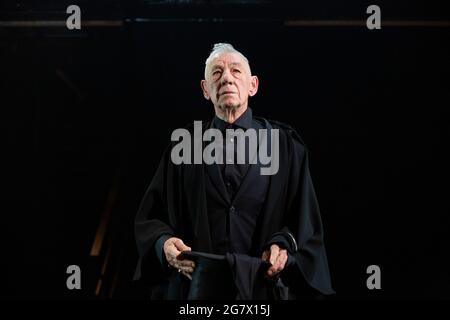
226 93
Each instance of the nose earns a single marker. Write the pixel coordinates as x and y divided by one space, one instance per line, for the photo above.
226 77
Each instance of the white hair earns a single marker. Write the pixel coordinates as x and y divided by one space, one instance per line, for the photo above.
221 48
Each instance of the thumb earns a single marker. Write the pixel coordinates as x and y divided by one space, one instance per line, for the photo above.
179 244
274 250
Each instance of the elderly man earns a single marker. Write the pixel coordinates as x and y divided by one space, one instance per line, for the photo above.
230 212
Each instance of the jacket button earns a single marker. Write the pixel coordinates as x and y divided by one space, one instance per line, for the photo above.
232 209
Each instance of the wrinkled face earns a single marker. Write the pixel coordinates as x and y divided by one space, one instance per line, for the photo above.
228 81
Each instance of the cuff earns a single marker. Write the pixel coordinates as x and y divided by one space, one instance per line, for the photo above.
285 240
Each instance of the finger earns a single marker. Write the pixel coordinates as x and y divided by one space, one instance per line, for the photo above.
279 263
187 275
179 244
169 245
270 272
188 270
278 266
172 252
186 263
183 264
285 259
173 260
274 251
174 263
185 269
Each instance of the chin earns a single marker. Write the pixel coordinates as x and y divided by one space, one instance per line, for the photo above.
230 106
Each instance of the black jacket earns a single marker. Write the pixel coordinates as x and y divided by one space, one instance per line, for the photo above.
175 204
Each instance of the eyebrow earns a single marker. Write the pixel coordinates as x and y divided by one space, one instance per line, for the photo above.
216 66
219 66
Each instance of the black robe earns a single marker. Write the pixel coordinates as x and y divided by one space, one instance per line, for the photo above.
175 204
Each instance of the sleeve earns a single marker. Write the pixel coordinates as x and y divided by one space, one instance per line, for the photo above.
284 239
303 231
154 222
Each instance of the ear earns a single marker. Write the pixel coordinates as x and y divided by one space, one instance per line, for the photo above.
253 86
204 89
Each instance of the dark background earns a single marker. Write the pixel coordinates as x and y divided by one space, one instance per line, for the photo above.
86 114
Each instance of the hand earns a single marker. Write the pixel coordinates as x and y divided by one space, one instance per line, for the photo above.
277 258
172 249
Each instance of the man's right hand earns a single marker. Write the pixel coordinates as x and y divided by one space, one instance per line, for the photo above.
172 249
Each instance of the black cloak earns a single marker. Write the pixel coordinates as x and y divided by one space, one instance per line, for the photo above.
175 204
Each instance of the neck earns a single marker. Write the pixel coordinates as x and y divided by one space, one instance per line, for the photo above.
230 115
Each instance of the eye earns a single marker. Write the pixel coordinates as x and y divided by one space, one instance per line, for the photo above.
237 71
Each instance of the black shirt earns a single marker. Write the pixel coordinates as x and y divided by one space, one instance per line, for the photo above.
232 172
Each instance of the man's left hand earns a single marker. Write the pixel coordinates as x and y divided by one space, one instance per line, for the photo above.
277 258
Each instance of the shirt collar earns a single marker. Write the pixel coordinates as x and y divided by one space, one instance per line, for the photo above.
244 121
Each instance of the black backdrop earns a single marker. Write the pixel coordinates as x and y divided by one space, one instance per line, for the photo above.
86 114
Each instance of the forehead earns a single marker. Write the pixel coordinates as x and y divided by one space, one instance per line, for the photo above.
227 58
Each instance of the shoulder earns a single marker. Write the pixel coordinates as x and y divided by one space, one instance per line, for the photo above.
287 130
